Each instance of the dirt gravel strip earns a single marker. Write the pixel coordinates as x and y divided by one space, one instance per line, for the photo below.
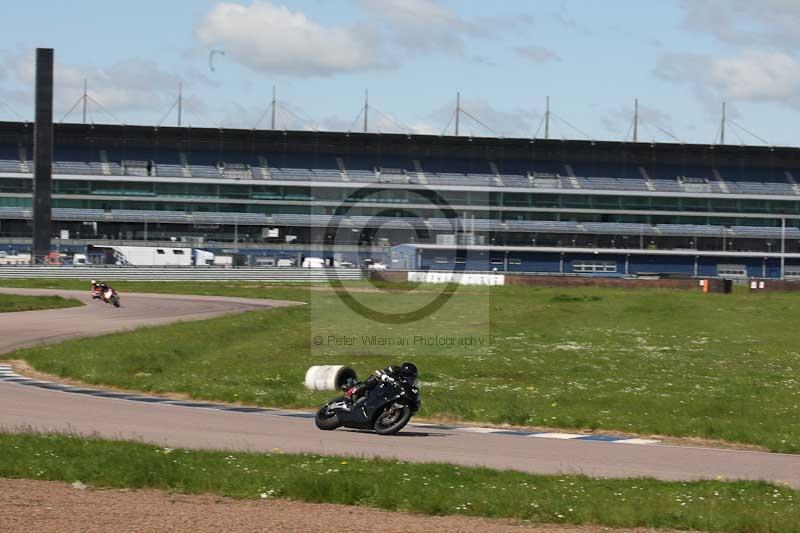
45 506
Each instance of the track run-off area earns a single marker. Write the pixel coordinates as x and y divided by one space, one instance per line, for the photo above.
167 423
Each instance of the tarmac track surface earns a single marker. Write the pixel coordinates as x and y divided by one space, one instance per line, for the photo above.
175 426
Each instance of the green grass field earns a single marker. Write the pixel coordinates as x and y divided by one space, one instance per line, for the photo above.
11 303
436 489
649 362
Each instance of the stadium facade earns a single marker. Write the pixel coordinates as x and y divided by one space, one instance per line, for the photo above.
528 205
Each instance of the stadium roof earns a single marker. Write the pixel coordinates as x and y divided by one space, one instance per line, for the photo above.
426 146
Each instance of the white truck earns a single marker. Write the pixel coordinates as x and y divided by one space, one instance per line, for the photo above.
19 259
80 260
153 256
313 262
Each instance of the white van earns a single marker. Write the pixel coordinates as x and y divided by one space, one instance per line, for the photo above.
313 262
80 259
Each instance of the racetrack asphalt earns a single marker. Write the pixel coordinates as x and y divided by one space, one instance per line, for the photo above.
32 408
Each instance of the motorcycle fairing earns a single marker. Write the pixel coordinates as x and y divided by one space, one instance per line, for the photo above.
363 412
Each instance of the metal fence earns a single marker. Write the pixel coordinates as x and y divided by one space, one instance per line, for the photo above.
128 273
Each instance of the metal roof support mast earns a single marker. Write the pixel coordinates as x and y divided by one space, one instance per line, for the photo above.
635 120
366 108
458 110
274 102
85 98
722 126
180 102
547 119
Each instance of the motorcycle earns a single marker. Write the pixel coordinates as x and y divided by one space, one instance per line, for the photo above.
385 409
111 296
97 293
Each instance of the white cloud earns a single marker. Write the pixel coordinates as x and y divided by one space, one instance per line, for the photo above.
431 26
755 76
537 54
270 38
131 85
421 24
774 23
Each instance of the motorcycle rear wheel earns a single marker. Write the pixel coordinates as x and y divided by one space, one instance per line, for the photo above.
395 423
327 420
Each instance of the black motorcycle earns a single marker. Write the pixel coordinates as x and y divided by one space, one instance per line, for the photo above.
385 408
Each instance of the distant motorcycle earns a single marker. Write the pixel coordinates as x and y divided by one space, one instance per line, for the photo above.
385 409
97 293
111 296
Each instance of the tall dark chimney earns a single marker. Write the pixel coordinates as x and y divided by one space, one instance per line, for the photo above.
43 153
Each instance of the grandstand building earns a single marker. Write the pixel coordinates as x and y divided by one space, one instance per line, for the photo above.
557 206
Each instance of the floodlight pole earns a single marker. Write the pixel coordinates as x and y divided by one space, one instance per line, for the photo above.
722 126
635 120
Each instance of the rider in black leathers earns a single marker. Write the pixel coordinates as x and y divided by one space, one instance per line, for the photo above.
387 375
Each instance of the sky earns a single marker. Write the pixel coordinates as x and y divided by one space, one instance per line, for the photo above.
680 58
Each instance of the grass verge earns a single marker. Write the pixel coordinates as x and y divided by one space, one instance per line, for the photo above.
678 363
435 489
12 303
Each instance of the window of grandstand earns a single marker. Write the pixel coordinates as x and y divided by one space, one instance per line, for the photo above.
395 171
177 252
594 266
136 168
792 273
496 260
459 260
160 251
441 260
692 179
514 261
732 271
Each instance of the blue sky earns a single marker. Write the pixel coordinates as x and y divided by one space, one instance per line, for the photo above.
681 58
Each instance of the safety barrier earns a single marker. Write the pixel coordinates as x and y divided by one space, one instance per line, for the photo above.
128 273
328 377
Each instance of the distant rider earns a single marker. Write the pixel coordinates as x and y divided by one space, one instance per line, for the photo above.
390 374
96 291
105 291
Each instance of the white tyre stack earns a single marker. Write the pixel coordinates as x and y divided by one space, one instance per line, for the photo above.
328 377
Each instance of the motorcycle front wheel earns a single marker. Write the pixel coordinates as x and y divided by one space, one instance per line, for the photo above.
326 419
392 419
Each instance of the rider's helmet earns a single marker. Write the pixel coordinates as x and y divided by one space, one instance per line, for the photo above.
94 282
409 371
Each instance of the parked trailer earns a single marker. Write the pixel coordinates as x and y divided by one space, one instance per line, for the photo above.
203 258
20 259
150 255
